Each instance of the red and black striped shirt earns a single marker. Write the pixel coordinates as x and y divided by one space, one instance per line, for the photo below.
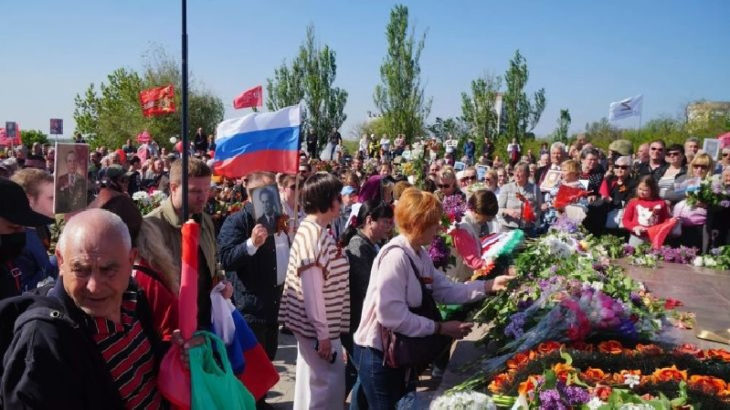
128 356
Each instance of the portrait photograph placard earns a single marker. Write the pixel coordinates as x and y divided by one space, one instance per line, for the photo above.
70 178
266 206
552 180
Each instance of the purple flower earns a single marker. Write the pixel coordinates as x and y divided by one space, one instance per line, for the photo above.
574 394
629 250
550 399
454 207
438 252
524 304
515 327
725 203
636 299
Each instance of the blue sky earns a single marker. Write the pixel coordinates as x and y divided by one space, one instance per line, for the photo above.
584 53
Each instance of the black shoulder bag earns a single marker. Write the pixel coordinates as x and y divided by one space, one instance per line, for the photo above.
401 351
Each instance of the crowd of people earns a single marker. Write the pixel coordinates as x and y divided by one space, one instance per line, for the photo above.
334 273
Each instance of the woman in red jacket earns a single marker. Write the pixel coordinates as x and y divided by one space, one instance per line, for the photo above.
644 211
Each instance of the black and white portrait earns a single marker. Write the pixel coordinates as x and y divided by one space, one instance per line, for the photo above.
266 206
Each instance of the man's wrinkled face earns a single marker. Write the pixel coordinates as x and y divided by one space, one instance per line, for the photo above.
95 274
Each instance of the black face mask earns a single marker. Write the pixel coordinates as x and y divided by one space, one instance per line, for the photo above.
11 245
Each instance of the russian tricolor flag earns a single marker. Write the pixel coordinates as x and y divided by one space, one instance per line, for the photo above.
258 142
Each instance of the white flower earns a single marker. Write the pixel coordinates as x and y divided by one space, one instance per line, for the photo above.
710 262
642 406
158 195
463 400
698 261
595 403
597 285
141 196
632 380
521 403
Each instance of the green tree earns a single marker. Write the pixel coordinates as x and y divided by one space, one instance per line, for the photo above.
113 114
32 136
561 133
400 96
478 109
310 77
522 113
602 130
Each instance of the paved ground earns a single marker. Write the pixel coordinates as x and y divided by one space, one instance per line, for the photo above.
282 395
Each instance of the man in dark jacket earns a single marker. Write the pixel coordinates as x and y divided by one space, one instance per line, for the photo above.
90 343
249 249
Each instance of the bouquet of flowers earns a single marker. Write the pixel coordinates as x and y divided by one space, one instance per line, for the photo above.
442 244
147 202
710 192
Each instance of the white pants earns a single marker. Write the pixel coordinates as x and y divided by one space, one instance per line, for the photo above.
319 383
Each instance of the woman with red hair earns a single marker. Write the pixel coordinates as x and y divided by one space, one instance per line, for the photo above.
400 300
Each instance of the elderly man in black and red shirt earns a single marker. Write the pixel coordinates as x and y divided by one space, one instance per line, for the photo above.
90 342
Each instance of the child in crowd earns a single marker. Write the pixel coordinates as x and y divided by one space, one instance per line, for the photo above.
644 211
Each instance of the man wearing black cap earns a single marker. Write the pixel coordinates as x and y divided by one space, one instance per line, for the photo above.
15 215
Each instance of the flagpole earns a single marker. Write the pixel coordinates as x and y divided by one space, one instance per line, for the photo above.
184 121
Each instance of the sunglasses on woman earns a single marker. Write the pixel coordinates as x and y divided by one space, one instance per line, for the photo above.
443 186
673 154
624 167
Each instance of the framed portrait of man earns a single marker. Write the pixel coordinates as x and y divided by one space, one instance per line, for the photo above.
552 179
266 206
70 177
712 147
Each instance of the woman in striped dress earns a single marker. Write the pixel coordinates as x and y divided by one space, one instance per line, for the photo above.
316 300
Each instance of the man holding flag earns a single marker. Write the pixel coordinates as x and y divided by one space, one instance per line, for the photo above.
254 146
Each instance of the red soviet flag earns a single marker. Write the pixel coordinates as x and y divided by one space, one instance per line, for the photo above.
249 98
157 101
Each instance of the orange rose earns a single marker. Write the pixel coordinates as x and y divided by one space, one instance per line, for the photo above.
690 349
499 382
548 347
602 392
527 386
562 371
650 349
620 378
669 374
610 346
719 354
594 375
518 360
582 346
708 384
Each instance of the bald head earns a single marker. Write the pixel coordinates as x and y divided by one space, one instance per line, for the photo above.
99 224
95 262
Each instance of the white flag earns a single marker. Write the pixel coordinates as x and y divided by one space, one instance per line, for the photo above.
628 107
